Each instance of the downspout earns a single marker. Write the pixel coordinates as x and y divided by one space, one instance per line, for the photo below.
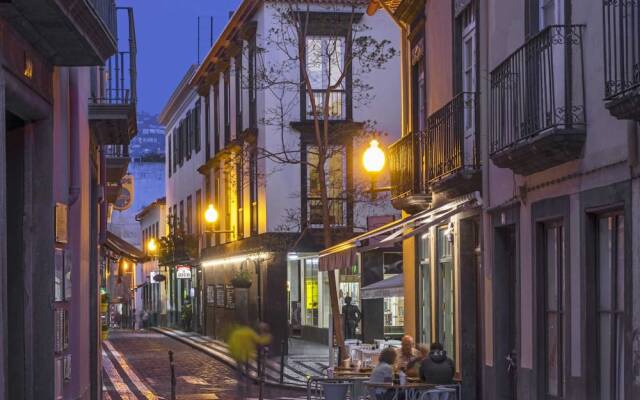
74 140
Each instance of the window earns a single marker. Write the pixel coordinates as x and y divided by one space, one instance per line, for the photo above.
189 215
239 92
610 292
335 167
227 108
183 141
253 95
418 86
240 196
175 148
157 230
207 128
216 118
325 66
446 291
424 253
253 189
181 216
543 13
188 127
554 279
196 126
198 217
310 293
169 158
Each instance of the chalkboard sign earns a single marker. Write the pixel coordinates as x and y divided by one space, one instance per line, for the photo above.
219 295
211 294
231 298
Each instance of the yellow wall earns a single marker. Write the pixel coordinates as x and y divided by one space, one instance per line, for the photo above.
409 269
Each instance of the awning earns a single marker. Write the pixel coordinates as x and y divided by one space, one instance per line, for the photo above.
123 248
342 254
390 287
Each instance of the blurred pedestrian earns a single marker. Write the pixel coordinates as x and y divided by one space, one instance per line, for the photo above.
243 344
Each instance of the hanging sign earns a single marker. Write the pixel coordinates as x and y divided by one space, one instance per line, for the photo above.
183 272
125 198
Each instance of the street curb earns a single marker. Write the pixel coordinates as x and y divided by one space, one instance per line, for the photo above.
225 360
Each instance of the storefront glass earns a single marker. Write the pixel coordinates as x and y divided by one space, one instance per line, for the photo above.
446 292
293 293
424 257
393 306
316 300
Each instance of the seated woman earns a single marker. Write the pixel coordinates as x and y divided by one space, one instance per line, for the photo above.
383 373
437 367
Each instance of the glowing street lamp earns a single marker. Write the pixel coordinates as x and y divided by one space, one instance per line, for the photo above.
373 160
152 246
211 215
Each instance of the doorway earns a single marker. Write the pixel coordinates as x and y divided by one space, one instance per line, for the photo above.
505 319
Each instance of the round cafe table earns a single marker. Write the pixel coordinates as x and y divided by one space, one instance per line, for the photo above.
411 390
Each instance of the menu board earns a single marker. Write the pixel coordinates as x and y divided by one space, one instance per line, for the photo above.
211 294
219 295
58 291
231 298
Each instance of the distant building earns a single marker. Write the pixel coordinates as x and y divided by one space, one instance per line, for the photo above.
148 145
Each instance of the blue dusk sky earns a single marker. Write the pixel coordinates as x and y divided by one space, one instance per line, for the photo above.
166 32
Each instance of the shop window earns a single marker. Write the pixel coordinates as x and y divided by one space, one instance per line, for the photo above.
240 196
446 292
611 311
424 254
311 304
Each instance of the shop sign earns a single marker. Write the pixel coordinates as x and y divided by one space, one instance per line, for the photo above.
125 199
211 294
230 295
156 277
61 212
183 272
219 295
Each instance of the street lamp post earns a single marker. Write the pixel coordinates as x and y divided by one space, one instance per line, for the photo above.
211 217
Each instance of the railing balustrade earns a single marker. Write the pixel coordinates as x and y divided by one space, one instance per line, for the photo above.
407 165
621 47
116 151
540 87
337 211
451 138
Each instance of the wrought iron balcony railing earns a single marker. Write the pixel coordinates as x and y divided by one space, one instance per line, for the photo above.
451 138
621 46
116 151
106 10
120 72
539 88
337 211
407 165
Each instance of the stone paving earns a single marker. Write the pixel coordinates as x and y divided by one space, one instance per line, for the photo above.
308 359
136 366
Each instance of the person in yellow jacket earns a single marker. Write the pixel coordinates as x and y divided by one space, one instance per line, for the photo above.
243 343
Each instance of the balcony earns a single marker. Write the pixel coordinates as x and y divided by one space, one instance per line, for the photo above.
622 58
337 212
112 108
452 147
537 103
116 162
407 166
70 33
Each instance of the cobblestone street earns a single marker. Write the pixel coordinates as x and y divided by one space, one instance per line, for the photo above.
136 366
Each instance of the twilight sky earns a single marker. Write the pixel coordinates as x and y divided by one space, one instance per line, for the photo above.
166 32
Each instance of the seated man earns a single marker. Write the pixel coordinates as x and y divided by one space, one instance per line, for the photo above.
406 353
437 367
413 367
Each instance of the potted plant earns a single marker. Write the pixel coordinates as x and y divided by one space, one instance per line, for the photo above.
242 279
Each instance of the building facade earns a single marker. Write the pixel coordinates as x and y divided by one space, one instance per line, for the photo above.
52 206
269 213
531 290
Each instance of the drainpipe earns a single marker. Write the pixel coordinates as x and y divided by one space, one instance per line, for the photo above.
632 143
74 140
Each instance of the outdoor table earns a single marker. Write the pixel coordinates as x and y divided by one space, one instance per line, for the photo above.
411 390
368 357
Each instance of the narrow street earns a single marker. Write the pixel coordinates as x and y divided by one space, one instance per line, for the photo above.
136 366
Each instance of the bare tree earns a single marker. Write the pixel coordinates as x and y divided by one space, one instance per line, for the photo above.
292 59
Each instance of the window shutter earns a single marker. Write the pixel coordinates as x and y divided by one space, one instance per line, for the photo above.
196 126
